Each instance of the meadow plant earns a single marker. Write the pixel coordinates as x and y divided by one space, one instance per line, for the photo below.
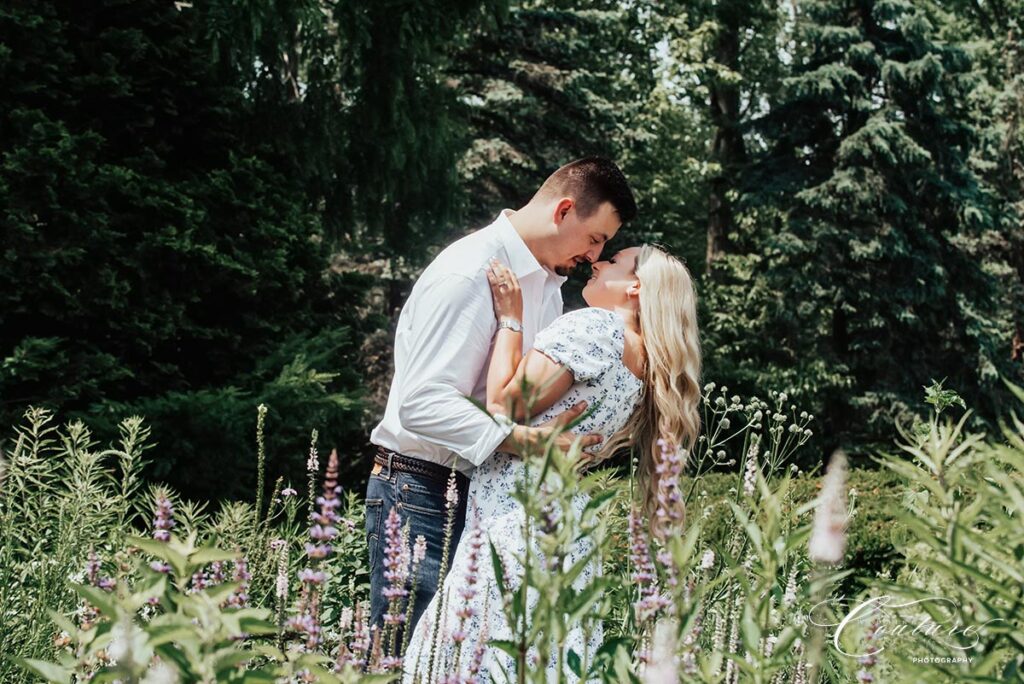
141 590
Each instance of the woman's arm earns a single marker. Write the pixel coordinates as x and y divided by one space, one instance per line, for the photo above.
537 383
508 342
518 386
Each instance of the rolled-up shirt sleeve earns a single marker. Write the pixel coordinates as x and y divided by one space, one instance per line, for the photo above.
443 340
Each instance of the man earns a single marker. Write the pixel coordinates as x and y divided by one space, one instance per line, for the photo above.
442 350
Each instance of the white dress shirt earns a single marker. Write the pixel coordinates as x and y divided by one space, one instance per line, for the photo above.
443 348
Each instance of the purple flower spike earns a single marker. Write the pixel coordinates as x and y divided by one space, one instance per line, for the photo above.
643 571
669 470
397 558
318 551
310 576
240 598
163 522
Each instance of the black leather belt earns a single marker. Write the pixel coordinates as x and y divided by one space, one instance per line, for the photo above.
417 466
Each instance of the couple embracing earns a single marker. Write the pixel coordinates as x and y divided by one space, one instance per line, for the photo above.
485 316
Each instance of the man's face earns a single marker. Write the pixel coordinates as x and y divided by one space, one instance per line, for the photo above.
581 240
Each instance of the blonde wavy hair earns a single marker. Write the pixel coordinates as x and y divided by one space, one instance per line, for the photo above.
669 406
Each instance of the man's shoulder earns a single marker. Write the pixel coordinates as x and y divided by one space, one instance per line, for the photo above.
466 256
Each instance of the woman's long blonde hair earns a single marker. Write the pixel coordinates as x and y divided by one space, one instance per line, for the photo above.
669 407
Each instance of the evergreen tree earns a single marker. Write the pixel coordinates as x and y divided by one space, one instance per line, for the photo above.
862 281
155 260
545 83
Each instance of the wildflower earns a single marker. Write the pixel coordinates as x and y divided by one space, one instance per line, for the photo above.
869 659
92 573
670 512
347 616
789 597
750 476
478 653
313 462
164 520
451 496
734 639
419 549
707 561
277 544
718 639
160 673
724 423
644 575
317 551
468 590
361 638
160 566
310 576
307 621
216 573
828 534
663 667
288 491
239 597
396 569
281 587
198 582
691 646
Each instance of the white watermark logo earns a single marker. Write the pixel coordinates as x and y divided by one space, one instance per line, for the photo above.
954 633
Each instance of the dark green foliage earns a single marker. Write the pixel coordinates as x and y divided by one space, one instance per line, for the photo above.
196 199
862 277
544 84
873 542
154 259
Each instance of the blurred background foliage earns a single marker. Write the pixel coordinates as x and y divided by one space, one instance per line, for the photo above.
207 205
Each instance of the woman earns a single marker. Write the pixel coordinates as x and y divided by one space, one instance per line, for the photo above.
634 357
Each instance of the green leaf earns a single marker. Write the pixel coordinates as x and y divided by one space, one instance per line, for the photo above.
211 555
750 630
48 671
97 597
499 569
269 651
509 647
573 659
153 586
229 659
163 551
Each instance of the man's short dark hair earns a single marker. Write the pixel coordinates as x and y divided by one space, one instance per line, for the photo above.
592 181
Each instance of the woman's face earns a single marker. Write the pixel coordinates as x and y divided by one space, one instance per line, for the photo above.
613 280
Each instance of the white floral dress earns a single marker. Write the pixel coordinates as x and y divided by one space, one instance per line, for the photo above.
589 342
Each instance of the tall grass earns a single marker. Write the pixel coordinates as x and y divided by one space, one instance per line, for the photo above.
91 589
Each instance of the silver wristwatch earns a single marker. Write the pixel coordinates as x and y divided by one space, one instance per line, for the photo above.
510 324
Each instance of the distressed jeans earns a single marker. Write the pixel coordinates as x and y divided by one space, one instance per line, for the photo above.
420 504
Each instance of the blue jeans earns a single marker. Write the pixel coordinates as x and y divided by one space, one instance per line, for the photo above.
420 503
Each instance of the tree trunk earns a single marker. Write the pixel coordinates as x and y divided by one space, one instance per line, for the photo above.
727 147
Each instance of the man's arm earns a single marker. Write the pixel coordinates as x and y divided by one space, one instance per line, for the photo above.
449 338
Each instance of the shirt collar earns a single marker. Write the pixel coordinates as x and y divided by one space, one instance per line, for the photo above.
521 259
